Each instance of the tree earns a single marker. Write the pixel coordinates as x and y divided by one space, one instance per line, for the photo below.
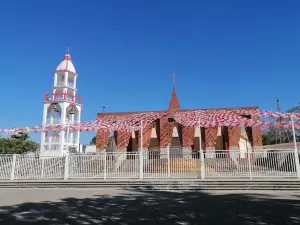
18 143
274 135
93 141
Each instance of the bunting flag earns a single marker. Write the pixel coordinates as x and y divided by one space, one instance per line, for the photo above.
191 118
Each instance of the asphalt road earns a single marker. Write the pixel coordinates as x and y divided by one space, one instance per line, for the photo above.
113 206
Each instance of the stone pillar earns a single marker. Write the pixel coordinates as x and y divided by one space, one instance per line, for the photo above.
234 134
188 134
257 137
166 131
101 139
211 134
122 139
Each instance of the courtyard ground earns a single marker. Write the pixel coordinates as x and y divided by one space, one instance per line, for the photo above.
113 206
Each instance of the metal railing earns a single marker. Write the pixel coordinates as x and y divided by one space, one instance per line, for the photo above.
52 139
62 84
153 164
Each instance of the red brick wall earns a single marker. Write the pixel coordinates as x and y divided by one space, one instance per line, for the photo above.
101 139
166 132
122 139
211 137
188 134
234 134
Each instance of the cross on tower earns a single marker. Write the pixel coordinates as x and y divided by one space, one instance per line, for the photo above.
68 50
173 76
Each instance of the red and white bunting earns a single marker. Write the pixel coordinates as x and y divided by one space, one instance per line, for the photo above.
208 118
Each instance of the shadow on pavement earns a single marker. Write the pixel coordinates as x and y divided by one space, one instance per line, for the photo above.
157 207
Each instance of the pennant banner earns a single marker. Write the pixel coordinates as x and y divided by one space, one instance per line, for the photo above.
207 118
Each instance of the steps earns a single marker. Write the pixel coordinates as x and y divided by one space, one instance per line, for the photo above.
191 184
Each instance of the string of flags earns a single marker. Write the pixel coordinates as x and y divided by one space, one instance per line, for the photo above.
191 118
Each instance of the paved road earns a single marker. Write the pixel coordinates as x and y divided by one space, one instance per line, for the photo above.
113 206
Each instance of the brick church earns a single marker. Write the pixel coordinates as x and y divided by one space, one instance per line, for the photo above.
165 131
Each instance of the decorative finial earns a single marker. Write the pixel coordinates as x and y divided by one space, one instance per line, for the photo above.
68 50
174 76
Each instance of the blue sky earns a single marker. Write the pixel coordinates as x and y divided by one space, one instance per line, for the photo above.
225 54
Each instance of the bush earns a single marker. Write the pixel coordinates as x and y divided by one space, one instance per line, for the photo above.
16 146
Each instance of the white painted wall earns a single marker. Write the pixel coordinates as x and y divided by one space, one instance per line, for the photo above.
245 147
90 149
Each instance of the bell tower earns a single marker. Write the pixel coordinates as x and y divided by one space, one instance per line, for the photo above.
63 107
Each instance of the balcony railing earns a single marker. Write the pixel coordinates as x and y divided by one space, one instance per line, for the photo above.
62 84
63 97
53 139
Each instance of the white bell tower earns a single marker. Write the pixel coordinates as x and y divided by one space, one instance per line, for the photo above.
63 106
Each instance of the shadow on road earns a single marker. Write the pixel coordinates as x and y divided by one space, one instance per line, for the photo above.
157 207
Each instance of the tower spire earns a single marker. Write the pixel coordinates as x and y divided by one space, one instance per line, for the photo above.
174 103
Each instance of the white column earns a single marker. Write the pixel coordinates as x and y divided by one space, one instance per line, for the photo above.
74 94
71 132
78 121
55 79
43 136
68 138
75 80
54 91
66 79
63 121
295 148
65 90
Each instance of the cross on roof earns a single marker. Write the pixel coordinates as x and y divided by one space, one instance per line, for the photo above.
68 50
174 77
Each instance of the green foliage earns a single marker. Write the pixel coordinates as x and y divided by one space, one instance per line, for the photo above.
17 146
271 135
93 141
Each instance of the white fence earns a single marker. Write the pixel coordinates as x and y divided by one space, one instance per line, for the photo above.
158 164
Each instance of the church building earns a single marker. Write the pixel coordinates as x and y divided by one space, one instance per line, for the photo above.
166 131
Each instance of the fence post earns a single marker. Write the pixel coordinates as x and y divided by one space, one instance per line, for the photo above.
296 154
249 163
13 167
202 167
141 152
297 162
105 165
169 165
43 167
141 163
66 172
